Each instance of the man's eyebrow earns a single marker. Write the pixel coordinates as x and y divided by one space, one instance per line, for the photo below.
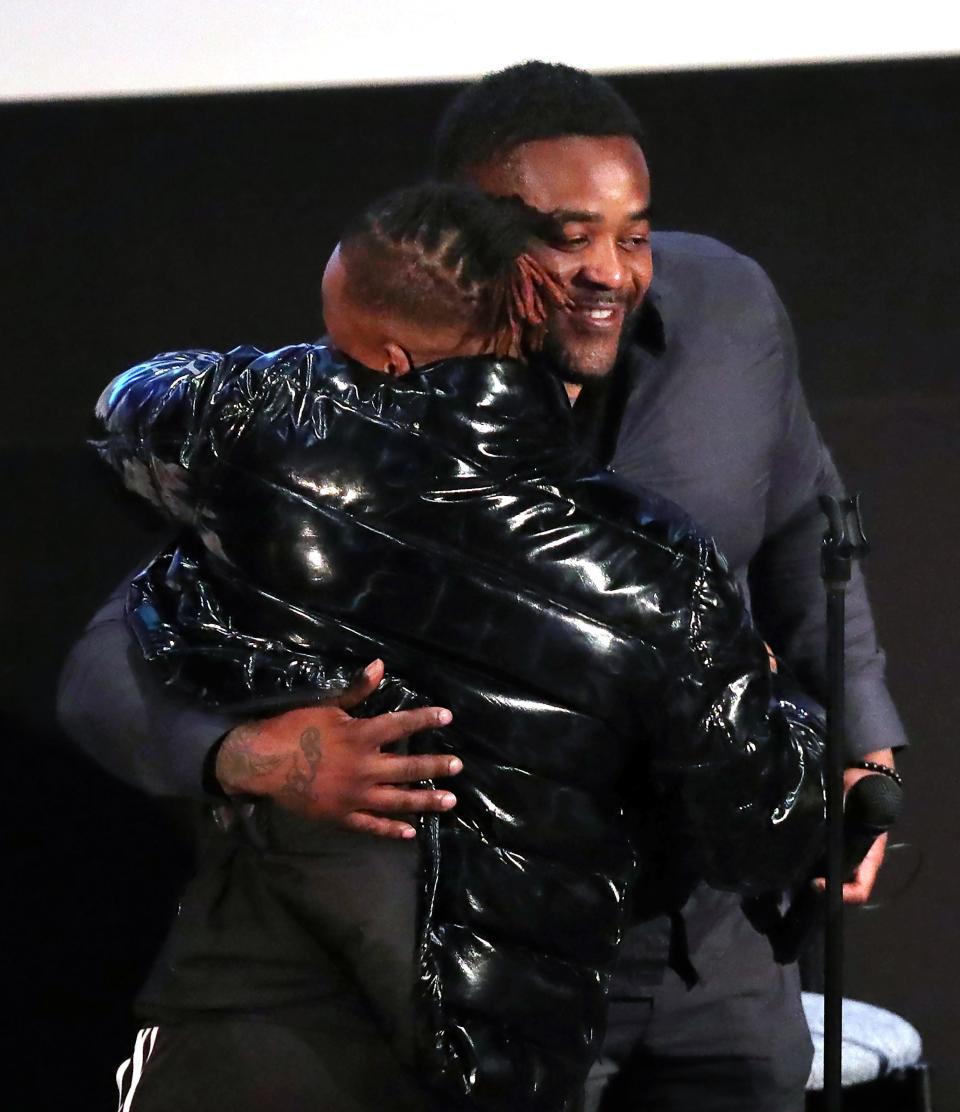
575 216
584 216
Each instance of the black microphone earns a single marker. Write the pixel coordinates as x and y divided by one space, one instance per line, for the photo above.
871 808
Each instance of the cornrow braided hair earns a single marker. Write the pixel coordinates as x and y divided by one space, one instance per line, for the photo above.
449 255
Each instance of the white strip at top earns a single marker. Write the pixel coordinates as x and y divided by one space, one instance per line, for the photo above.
75 48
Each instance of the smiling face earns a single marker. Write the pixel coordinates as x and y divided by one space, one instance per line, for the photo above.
598 191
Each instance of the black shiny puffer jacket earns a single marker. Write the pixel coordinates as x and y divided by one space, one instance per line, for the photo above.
590 642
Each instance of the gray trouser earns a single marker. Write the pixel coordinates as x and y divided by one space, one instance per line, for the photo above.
737 1041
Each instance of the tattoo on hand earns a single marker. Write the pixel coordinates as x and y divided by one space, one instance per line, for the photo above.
238 761
298 782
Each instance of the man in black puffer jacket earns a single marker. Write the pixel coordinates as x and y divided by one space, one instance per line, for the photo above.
597 653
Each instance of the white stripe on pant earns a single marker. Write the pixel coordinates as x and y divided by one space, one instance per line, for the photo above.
142 1050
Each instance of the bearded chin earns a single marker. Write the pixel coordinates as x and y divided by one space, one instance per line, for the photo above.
568 365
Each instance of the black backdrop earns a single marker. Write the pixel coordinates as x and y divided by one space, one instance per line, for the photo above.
132 226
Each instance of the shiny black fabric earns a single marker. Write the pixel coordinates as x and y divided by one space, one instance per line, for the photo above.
591 645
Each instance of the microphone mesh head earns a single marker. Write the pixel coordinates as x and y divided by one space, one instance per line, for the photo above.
874 802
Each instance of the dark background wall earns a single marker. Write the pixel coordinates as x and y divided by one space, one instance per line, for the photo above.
133 226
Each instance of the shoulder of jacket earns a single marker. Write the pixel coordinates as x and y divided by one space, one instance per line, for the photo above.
694 274
283 359
649 515
691 252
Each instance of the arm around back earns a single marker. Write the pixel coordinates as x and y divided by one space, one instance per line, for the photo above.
166 424
121 714
740 753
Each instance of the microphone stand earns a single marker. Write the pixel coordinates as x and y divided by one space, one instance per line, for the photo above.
843 542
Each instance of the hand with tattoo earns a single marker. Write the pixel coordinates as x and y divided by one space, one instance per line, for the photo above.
326 765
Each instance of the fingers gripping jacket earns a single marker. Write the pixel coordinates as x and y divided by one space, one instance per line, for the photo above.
593 648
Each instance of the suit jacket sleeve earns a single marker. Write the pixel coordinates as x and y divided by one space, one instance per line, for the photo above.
787 593
118 710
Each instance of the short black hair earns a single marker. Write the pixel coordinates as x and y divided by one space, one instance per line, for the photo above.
448 254
532 100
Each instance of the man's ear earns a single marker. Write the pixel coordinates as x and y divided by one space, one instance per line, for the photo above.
396 361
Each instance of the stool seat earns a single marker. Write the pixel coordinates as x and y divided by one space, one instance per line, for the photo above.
875 1042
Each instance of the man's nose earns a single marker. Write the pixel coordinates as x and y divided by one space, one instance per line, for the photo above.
603 265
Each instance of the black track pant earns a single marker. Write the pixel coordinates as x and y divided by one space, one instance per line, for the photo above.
736 1042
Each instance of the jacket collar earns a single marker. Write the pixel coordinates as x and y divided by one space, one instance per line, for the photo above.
650 330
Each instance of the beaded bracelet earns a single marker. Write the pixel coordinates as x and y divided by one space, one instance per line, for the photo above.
875 766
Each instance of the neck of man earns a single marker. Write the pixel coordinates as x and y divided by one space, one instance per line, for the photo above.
573 390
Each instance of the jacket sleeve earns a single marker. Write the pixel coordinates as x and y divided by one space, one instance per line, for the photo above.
164 426
161 422
110 701
148 419
740 757
787 594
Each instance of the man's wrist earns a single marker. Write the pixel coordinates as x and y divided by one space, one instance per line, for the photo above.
880 767
245 762
877 756
855 769
210 782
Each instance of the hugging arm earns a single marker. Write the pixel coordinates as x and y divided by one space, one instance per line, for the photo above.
163 422
787 593
740 750
118 710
